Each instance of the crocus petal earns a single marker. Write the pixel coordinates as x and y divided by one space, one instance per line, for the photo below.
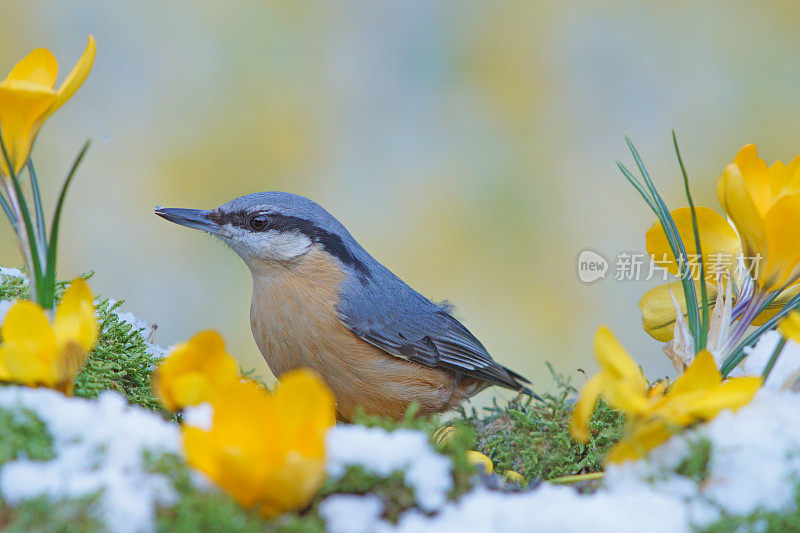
756 176
307 405
626 387
658 311
641 438
781 223
718 241
732 394
735 198
29 345
22 108
702 374
292 486
790 326
75 78
194 371
39 68
584 407
777 304
75 320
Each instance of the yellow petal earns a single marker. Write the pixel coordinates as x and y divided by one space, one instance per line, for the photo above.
75 320
718 242
702 374
613 358
29 346
735 198
75 78
584 407
194 371
640 439
39 67
625 387
307 407
23 106
658 310
292 486
199 450
513 477
756 176
732 394
780 223
777 304
790 326
481 461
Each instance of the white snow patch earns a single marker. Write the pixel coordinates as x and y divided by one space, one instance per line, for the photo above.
199 416
382 452
754 464
786 366
13 273
5 305
349 513
99 444
553 509
129 318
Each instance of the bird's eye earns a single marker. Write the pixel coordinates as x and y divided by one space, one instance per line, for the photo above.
258 222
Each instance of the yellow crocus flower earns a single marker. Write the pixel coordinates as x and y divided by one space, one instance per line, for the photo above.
194 371
790 326
720 246
34 352
267 450
764 204
28 98
653 415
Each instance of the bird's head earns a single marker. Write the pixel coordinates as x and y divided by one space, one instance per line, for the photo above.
272 230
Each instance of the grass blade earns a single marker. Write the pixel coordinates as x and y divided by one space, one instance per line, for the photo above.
52 249
676 244
37 204
35 263
772 358
703 292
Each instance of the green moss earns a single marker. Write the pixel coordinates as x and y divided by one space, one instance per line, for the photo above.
695 465
119 361
23 435
45 515
532 437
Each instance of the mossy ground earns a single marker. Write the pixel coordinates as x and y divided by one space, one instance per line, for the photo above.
120 360
532 437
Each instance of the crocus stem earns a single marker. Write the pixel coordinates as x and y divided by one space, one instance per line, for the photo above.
772 358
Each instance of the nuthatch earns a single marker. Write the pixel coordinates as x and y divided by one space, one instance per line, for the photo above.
321 301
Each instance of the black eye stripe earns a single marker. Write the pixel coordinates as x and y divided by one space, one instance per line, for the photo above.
331 242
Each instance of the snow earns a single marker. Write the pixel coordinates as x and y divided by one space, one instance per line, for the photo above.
199 416
754 464
99 445
382 452
13 273
349 513
5 305
786 366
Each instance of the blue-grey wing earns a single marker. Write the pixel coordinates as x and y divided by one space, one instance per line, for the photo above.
405 324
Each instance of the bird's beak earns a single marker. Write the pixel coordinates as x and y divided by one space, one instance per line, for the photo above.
191 218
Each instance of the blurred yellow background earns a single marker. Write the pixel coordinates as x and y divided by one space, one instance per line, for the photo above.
468 145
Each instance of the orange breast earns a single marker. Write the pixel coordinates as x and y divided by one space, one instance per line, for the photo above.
295 324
